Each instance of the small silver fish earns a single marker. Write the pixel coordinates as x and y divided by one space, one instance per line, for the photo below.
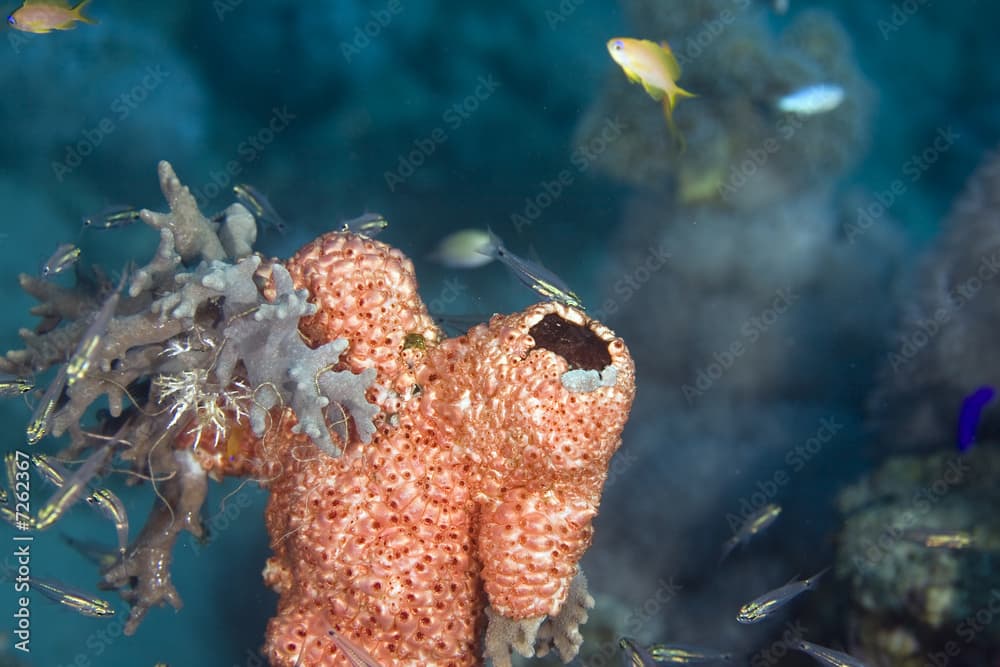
686 654
258 204
111 506
763 606
65 256
72 488
810 100
112 217
15 386
79 363
70 597
826 656
52 470
634 654
366 224
753 525
40 418
533 275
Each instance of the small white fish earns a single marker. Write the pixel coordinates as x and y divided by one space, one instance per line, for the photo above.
461 249
814 99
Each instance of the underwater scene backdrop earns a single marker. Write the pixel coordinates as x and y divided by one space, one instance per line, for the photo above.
788 210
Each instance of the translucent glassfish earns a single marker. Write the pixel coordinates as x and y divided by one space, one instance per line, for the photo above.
72 488
112 508
754 524
826 656
533 275
366 224
65 256
763 606
686 654
258 204
73 598
111 217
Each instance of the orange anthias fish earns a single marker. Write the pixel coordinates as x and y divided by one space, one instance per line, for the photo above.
655 67
41 16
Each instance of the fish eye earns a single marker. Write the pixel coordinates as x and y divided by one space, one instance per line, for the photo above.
618 45
11 20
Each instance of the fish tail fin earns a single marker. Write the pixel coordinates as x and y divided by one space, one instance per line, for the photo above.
78 13
728 547
668 113
680 92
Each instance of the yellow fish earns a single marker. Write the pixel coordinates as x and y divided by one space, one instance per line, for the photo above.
41 16
655 67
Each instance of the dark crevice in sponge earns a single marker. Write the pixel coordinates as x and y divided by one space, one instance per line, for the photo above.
578 345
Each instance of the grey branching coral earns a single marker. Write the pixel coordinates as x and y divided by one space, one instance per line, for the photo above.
186 352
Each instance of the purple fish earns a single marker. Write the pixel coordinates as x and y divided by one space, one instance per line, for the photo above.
968 417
